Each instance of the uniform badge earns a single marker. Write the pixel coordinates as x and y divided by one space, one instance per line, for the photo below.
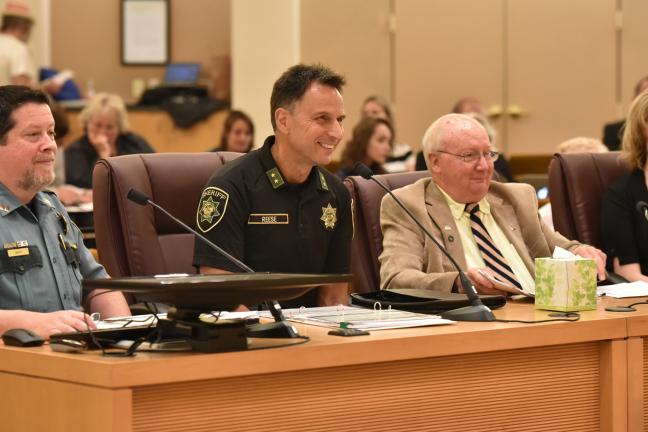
212 208
329 216
18 252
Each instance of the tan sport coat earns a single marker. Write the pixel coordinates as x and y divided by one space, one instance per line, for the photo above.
411 260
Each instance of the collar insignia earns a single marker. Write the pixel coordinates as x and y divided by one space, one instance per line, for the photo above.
276 180
323 181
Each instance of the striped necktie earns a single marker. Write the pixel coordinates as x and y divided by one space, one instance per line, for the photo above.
492 256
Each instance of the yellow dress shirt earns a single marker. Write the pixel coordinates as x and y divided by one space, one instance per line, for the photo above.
471 251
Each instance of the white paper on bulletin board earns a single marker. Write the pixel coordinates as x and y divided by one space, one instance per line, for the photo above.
145 31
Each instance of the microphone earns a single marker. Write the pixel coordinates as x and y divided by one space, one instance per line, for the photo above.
280 328
476 311
642 208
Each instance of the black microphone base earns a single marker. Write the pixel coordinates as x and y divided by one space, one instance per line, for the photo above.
470 313
278 329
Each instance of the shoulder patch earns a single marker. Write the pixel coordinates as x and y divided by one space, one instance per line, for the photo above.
212 208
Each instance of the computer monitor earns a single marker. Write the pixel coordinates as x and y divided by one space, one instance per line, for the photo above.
216 292
182 73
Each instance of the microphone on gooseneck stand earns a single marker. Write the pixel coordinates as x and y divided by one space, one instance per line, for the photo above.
476 311
642 208
280 328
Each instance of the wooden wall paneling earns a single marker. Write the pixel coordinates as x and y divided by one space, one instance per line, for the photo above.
561 71
634 62
354 39
445 50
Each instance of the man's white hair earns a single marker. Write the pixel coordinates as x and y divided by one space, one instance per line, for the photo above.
438 133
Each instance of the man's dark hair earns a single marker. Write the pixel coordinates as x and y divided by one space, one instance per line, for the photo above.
13 97
291 86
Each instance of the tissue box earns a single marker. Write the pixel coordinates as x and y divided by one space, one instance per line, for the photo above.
565 284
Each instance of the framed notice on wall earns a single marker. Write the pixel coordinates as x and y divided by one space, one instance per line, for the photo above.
144 32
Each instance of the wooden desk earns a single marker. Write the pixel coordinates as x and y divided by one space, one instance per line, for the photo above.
637 347
462 377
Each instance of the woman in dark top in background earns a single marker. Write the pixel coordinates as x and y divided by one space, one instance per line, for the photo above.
238 133
371 144
105 125
625 229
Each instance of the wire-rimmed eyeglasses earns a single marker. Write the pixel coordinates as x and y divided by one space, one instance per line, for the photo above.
474 156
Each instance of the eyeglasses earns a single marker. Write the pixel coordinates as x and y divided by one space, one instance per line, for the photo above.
474 156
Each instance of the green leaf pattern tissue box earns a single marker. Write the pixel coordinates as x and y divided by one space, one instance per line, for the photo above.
565 284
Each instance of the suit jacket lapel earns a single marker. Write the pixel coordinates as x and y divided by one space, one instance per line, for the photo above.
443 222
506 219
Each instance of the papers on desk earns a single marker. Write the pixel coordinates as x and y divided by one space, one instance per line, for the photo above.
623 290
128 321
150 320
360 318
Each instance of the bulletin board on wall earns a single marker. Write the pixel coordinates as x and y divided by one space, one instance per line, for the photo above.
145 32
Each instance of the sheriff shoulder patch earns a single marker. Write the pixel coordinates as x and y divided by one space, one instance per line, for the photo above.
212 208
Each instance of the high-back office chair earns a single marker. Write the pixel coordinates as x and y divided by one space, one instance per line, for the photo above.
135 240
577 183
367 238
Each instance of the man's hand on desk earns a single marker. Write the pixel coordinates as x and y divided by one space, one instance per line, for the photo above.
481 282
47 324
598 256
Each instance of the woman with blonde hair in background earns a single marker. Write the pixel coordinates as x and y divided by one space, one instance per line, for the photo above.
624 225
105 125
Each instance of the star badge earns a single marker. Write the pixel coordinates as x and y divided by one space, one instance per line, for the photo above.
329 216
209 210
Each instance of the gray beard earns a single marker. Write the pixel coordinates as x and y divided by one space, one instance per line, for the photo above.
32 183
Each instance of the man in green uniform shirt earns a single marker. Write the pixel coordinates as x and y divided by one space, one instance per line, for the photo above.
275 208
42 256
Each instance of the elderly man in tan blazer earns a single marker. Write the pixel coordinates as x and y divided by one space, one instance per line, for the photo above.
491 229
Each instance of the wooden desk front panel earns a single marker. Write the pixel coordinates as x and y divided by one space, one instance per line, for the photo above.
37 404
554 388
